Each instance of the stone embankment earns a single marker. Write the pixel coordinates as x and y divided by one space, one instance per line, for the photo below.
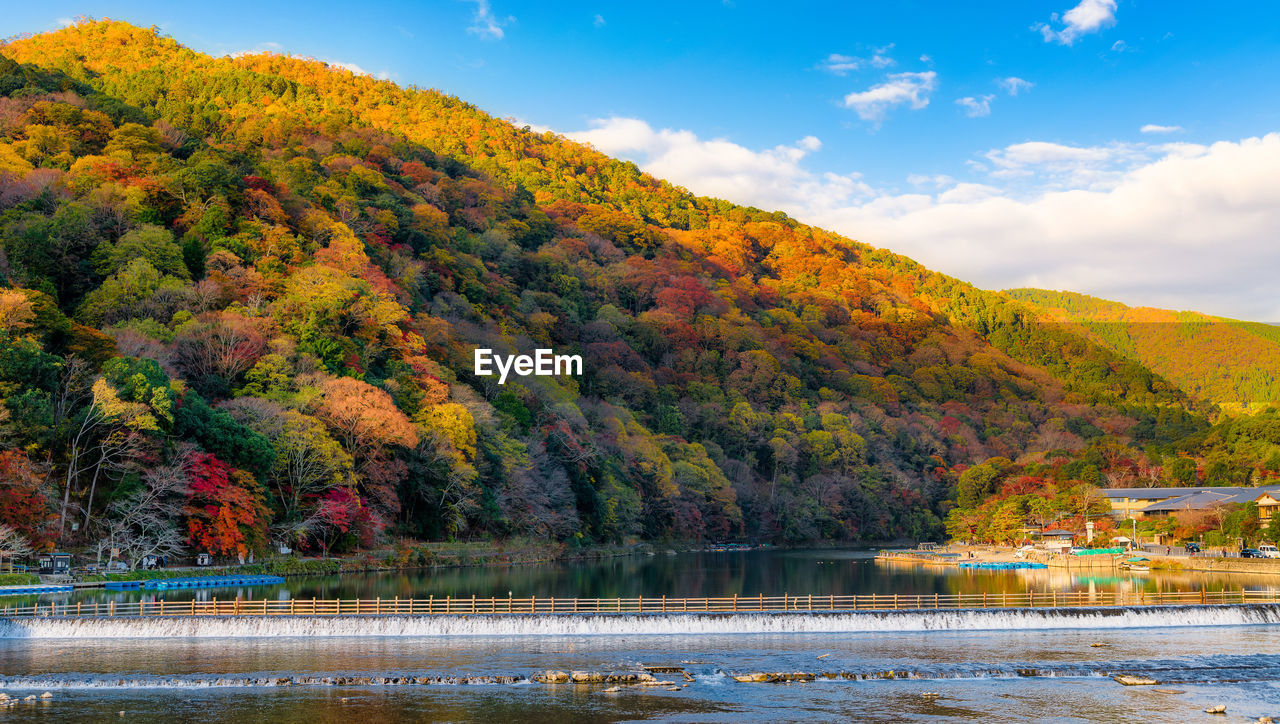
1218 565
953 555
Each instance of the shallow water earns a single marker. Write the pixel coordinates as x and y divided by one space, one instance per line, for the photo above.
977 674
1002 666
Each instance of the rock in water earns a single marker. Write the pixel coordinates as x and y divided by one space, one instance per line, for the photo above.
47 695
1130 680
1219 709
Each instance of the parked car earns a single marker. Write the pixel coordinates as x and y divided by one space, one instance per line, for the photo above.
1023 552
1192 547
1269 551
1251 553
1075 549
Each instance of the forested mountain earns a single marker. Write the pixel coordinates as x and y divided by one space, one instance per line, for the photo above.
242 297
1222 361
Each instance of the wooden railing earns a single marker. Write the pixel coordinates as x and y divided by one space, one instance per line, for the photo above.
450 605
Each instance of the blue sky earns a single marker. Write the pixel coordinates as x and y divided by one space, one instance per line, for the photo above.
896 123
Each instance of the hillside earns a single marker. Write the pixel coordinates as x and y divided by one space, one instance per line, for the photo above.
245 294
1221 361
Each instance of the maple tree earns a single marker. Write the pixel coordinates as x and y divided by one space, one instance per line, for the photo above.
226 512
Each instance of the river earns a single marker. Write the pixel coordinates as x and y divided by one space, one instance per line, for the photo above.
1008 666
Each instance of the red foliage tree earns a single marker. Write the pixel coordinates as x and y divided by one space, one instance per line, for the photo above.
226 513
22 505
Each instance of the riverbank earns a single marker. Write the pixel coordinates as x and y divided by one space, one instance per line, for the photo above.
1266 566
953 555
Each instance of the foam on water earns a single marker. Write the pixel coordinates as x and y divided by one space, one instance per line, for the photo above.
641 624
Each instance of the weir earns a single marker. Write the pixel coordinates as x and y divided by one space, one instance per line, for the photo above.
612 624
450 605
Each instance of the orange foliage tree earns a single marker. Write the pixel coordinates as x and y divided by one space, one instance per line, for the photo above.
226 513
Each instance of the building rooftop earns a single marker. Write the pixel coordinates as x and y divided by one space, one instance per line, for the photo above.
1208 498
1165 493
1156 493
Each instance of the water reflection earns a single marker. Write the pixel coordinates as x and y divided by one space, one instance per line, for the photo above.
749 573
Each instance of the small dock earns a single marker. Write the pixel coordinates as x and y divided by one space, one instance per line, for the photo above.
931 558
171 584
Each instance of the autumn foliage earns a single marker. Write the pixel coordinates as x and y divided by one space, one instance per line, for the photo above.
226 513
286 268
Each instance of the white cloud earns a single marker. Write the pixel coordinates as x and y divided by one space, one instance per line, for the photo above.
1153 128
1119 46
1014 85
353 68
937 180
976 107
838 64
268 47
485 24
1181 226
771 178
880 58
598 21
1190 228
535 127
1043 164
1044 152
910 89
1090 16
65 22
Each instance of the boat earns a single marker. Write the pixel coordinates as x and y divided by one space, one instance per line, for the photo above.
1136 564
